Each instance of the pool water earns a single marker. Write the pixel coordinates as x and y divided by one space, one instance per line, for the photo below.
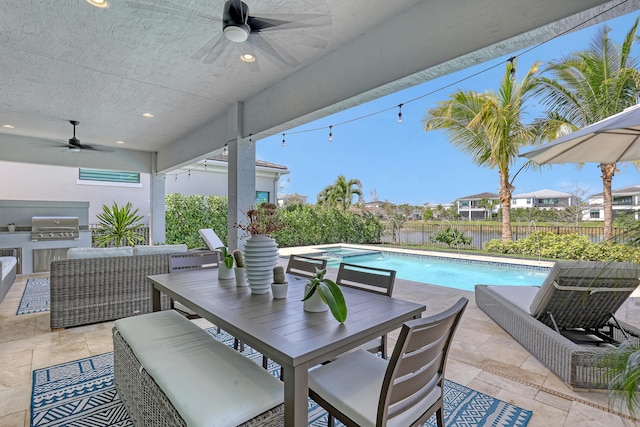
449 273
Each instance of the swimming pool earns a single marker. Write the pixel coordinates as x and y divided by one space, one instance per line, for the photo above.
452 273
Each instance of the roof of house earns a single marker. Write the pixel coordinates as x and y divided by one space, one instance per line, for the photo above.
541 194
480 196
631 189
224 157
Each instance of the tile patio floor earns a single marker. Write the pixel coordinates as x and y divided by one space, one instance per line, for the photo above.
483 357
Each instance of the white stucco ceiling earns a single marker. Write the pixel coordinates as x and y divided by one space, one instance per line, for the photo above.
65 60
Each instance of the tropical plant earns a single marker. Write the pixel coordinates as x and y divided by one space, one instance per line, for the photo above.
451 237
330 293
340 194
489 127
624 363
119 226
586 87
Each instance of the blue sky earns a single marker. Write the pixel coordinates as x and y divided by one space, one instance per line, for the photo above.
404 164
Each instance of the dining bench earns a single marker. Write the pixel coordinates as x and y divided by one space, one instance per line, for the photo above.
169 372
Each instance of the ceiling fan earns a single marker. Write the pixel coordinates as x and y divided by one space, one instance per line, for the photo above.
75 146
246 32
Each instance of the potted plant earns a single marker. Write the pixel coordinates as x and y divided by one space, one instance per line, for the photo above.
279 286
241 279
11 227
260 250
225 268
322 293
119 226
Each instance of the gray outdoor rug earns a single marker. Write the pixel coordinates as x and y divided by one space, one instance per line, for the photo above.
35 297
82 393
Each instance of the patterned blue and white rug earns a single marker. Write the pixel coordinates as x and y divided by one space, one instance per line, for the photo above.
82 393
35 297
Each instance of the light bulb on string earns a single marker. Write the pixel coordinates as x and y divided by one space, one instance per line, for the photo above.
176 179
330 134
283 139
399 113
189 175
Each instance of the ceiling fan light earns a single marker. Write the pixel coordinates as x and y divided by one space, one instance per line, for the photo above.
237 33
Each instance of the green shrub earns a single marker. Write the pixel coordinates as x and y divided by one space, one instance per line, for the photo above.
185 215
451 237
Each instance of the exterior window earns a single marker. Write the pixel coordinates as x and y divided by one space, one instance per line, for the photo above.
594 214
464 203
109 176
623 200
262 197
528 201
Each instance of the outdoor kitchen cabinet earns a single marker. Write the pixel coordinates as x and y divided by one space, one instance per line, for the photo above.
42 258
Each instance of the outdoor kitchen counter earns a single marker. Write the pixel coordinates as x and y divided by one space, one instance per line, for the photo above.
21 238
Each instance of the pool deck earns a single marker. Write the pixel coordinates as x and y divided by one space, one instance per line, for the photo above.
482 357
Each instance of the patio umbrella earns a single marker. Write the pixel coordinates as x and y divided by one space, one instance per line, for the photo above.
614 139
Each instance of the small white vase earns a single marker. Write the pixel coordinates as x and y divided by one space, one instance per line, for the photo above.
11 228
315 303
279 290
225 273
241 278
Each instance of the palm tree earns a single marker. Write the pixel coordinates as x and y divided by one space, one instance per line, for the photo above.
489 127
589 86
340 194
119 226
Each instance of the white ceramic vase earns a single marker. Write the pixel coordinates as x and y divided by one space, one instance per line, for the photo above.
315 303
225 273
11 228
279 290
260 256
241 278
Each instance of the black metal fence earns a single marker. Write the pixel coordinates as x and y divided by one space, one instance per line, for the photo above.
415 234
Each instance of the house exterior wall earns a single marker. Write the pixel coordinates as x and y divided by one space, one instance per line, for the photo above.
622 204
60 183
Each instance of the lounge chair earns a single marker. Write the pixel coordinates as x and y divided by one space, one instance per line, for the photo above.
568 321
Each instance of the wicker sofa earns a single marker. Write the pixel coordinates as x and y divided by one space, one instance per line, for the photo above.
99 287
8 265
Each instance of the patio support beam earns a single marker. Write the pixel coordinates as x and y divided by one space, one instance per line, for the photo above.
157 232
241 176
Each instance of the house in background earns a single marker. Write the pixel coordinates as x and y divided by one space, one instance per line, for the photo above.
291 199
544 199
103 187
471 207
625 200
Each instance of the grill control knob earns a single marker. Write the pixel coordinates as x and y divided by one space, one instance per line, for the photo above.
51 234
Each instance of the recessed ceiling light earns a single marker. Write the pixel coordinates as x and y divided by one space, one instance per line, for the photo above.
119 142
8 126
101 4
147 115
247 57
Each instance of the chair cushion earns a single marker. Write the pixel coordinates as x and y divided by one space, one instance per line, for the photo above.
159 249
78 253
207 382
521 296
210 238
352 384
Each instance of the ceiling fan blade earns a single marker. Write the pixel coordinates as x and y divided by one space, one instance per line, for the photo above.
211 51
288 21
274 51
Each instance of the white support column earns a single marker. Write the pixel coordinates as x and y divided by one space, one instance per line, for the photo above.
241 176
157 226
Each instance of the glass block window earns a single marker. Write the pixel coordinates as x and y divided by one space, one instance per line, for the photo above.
109 176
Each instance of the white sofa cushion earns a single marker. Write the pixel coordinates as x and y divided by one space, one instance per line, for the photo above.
7 263
158 249
78 253
522 296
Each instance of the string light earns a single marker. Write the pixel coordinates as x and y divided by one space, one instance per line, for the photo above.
512 77
189 175
283 139
512 73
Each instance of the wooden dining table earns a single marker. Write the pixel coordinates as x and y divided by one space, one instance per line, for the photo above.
280 328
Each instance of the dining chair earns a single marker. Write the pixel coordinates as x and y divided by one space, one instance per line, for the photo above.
361 389
371 279
305 266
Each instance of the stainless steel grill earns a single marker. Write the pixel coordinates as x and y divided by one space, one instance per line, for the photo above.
55 228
